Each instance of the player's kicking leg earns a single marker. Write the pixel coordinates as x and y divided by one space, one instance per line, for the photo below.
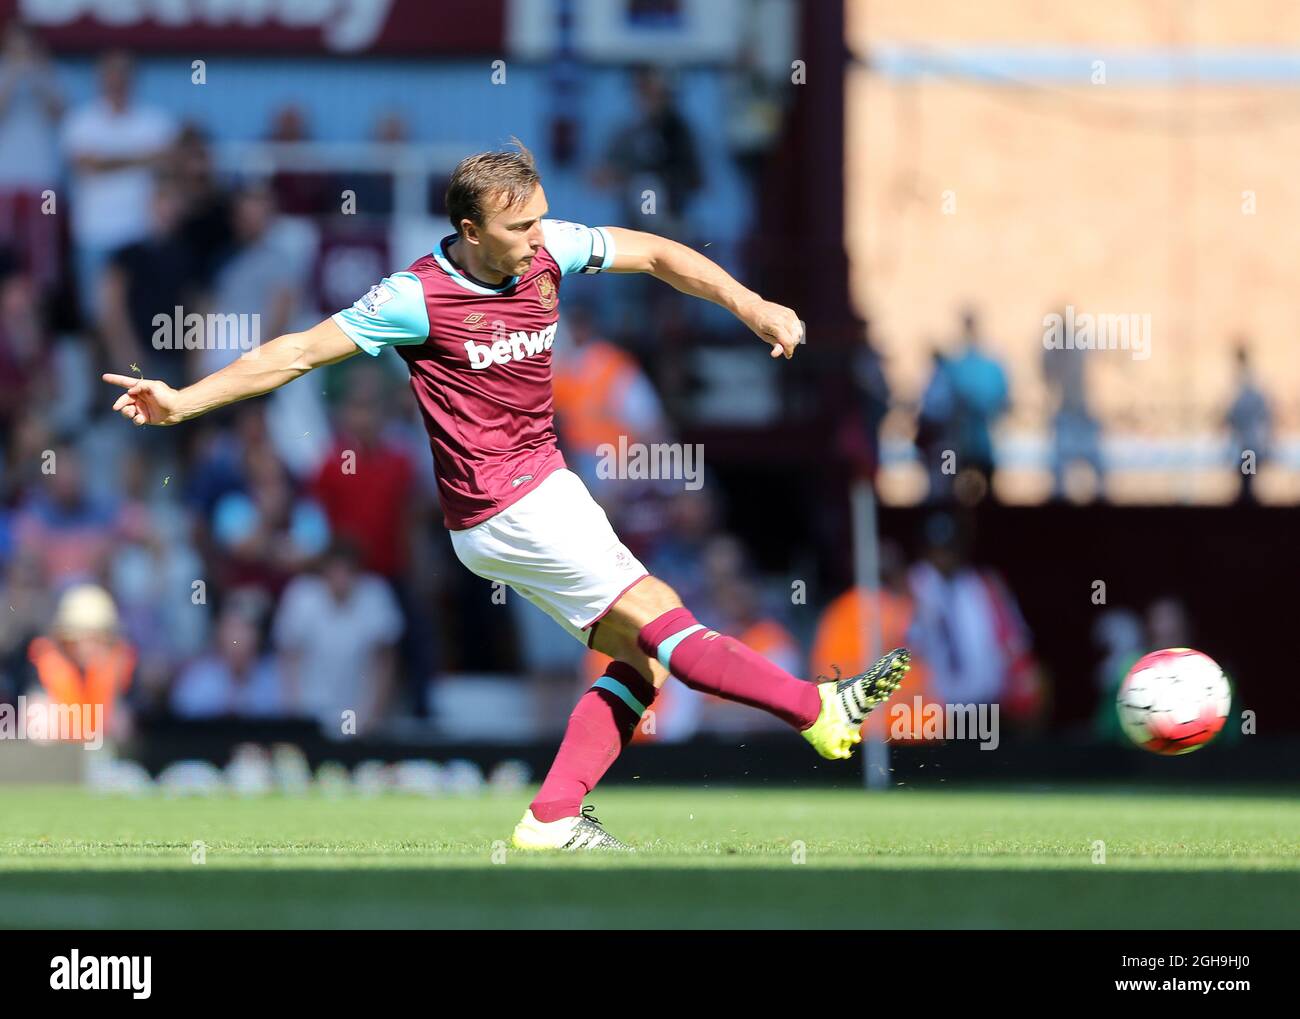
829 715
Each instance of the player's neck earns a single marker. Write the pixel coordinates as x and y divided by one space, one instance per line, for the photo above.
466 258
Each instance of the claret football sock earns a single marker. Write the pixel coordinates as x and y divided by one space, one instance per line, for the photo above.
714 663
599 728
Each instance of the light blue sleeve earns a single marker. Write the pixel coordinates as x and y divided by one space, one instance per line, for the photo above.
578 248
392 312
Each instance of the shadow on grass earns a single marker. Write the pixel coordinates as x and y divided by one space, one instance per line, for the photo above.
633 897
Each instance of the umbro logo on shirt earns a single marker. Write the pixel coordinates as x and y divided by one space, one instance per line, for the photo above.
512 347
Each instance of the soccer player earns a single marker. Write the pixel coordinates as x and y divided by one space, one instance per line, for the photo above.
474 321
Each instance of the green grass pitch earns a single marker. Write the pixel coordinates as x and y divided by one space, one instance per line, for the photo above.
707 857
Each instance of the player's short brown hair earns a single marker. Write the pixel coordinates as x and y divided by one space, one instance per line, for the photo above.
477 178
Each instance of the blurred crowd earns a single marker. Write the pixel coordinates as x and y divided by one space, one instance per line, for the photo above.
277 559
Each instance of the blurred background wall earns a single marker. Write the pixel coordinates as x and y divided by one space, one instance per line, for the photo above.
1126 159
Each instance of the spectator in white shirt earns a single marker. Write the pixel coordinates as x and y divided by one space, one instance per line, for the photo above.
114 145
336 632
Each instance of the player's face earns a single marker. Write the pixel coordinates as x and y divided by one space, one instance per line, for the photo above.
511 237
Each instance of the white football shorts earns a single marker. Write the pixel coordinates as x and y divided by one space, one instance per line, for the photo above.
555 547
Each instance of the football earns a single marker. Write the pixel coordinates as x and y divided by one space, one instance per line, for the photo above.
1173 701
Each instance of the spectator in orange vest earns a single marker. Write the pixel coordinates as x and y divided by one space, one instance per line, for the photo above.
601 393
846 627
84 661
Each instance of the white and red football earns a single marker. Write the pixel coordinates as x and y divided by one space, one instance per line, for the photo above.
1173 701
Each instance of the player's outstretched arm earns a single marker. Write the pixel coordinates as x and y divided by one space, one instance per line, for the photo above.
258 371
691 273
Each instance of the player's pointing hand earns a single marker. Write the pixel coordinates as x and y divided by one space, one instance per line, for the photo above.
777 325
146 401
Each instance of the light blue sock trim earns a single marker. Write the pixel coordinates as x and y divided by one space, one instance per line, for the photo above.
669 644
621 692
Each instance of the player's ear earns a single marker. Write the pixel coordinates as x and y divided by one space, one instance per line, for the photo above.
469 231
